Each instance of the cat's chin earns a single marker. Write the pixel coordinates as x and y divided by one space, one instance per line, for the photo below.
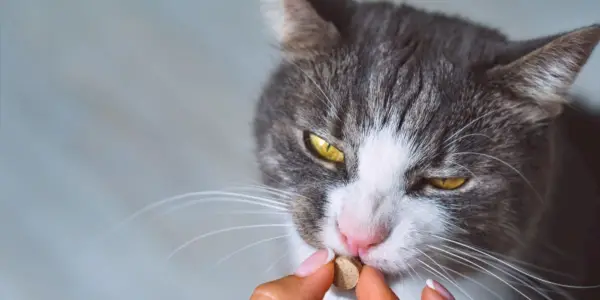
395 269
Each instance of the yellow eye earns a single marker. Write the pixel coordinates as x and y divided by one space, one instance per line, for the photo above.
447 183
325 150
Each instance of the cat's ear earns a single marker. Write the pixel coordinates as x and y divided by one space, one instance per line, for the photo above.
544 69
299 28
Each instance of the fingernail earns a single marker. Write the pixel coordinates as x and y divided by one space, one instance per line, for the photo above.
314 262
440 289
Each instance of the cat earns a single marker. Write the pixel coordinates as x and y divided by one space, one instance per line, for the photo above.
425 144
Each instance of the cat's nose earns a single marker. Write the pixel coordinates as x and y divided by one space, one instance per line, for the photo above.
360 239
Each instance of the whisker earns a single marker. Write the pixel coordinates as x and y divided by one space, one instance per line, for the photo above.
277 261
446 141
229 194
518 269
413 277
166 201
474 281
411 274
230 255
198 201
200 237
465 254
435 272
508 165
329 102
523 263
434 261
253 212
550 288
540 286
468 170
270 190
414 274
480 268
471 123
451 225
524 280
471 135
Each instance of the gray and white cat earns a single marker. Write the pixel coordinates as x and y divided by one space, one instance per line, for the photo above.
421 143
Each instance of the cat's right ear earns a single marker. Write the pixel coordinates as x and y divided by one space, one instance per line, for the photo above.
298 27
544 69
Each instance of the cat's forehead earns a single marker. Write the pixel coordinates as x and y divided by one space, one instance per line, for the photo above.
353 95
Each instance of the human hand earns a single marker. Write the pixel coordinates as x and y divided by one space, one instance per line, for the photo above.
314 277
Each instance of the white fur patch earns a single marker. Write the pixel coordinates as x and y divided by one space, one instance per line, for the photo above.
377 196
383 157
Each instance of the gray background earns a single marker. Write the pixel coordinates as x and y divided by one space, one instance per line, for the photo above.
107 106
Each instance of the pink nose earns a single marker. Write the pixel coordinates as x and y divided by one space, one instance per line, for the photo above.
359 240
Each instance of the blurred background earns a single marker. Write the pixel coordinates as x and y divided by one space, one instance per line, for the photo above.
108 106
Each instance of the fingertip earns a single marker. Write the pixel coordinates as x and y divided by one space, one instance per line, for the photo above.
326 272
314 262
323 275
276 289
317 284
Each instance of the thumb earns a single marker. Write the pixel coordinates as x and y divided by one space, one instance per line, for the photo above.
310 282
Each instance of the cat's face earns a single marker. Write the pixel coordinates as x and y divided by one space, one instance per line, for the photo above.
399 137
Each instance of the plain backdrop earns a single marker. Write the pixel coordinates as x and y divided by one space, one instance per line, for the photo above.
110 105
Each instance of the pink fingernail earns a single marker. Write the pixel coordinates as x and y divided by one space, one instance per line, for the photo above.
440 289
314 262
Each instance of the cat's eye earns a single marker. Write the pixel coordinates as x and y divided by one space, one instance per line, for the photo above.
450 183
324 149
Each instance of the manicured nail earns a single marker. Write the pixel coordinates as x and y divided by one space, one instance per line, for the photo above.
314 262
440 289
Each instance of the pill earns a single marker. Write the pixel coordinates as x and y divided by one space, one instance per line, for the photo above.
347 270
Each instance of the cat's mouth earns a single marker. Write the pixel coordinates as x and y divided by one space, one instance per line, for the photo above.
355 248
383 256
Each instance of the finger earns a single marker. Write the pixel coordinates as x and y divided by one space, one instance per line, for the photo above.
310 282
277 289
372 286
293 287
316 285
435 291
314 262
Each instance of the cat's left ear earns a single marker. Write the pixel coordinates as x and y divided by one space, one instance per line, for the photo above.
544 69
300 27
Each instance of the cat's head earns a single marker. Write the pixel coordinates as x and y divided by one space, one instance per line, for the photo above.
401 130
